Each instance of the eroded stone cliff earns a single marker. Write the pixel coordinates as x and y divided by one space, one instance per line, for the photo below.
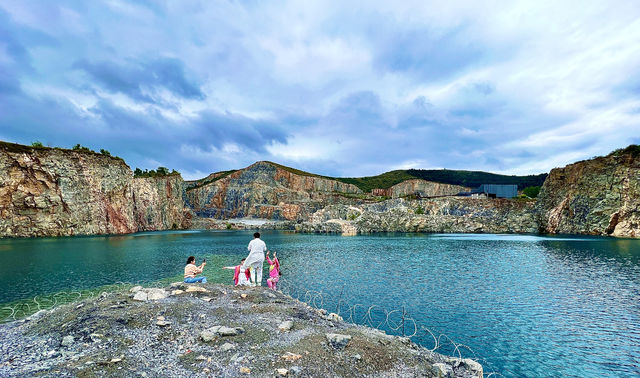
266 190
600 196
56 192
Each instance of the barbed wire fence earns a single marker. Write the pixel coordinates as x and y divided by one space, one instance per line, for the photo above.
394 322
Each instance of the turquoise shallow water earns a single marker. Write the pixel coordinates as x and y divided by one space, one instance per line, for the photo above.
527 305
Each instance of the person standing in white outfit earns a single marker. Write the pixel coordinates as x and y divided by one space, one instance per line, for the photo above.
255 260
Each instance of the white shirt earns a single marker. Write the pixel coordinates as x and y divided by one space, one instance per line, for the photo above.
256 249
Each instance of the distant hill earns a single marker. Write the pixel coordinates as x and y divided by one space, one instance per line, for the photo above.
463 178
388 179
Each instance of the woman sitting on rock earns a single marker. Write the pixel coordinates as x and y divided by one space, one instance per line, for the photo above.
191 271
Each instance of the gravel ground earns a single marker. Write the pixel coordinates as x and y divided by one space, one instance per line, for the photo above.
178 335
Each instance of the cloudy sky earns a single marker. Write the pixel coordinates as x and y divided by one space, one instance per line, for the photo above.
337 88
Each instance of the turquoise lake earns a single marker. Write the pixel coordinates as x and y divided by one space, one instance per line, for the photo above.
524 305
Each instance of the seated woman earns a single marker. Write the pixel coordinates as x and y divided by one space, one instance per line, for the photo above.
191 271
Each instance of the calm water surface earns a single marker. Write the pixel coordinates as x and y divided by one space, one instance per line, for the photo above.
528 305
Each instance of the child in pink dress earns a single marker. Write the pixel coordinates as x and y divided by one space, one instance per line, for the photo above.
274 271
240 274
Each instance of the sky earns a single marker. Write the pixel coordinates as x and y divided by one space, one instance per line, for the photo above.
338 88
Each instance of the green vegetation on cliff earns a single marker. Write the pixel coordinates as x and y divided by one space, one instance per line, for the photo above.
160 172
470 179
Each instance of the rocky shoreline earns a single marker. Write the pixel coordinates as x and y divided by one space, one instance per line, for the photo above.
209 330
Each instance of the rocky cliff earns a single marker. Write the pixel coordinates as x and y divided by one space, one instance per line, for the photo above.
451 214
56 192
600 196
425 189
266 190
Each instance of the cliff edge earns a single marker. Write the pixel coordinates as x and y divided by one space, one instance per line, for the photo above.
600 196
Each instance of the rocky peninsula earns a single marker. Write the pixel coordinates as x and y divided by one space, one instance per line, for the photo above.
209 330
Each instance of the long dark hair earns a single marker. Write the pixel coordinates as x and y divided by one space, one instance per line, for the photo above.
190 259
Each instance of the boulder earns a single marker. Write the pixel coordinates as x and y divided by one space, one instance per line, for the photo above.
155 294
67 341
140 296
135 289
208 336
285 326
338 341
441 370
334 317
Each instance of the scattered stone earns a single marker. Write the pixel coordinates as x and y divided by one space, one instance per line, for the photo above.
322 311
271 295
235 358
80 305
473 366
135 289
227 347
196 289
441 370
295 370
95 337
51 354
243 295
115 360
356 357
163 323
160 318
155 294
208 336
290 357
67 341
140 296
226 331
245 370
177 292
285 326
206 370
338 341
282 372
201 358
178 284
334 317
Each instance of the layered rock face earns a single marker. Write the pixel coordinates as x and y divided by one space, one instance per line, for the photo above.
264 190
54 192
600 196
159 203
452 214
425 188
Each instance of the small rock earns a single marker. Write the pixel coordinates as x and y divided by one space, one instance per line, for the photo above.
208 336
356 357
473 366
51 354
135 289
227 347
285 326
334 317
160 318
140 296
243 295
282 372
177 285
295 370
235 358
155 294
195 289
206 370
115 360
226 331
177 292
206 299
201 358
163 323
245 370
338 341
80 305
441 370
271 295
67 341
290 357
95 337
322 311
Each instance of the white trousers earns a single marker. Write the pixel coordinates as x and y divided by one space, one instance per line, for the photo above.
256 272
